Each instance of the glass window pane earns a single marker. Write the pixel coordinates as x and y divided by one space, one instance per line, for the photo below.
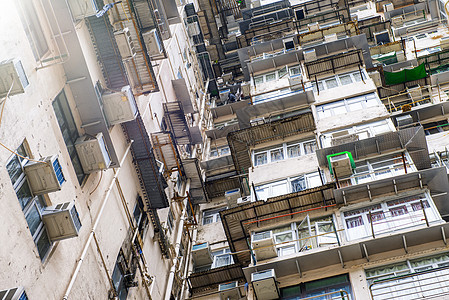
279 189
295 71
14 169
24 195
276 155
357 76
298 184
313 180
310 147
283 72
33 219
331 83
294 151
345 79
258 79
270 77
43 244
260 158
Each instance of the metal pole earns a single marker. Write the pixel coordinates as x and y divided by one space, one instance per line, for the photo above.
372 225
424 212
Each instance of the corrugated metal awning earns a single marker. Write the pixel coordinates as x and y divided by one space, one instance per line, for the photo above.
145 162
167 152
217 188
207 280
234 219
334 63
240 141
177 123
192 171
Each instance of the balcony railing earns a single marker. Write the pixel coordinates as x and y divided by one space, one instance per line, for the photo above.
428 284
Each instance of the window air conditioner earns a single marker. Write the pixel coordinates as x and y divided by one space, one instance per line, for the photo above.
93 154
313 26
444 43
295 82
243 200
61 221
246 89
375 76
11 70
341 164
388 7
330 38
125 43
232 195
224 95
44 177
348 138
257 121
404 120
289 44
397 21
17 293
82 8
263 245
265 285
193 29
300 14
119 107
229 291
415 93
227 77
201 254
309 55
152 42
382 37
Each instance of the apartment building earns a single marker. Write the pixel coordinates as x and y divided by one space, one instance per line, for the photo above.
221 149
326 153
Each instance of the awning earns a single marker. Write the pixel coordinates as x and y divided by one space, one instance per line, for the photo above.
405 75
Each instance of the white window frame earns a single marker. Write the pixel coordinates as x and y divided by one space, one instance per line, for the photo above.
219 151
214 214
343 106
222 253
290 71
288 183
323 83
284 148
388 223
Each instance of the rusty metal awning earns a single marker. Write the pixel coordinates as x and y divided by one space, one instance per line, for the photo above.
234 219
167 152
217 188
411 139
197 189
177 122
334 63
240 141
208 280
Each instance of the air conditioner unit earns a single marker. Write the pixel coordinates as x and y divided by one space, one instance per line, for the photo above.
193 29
400 56
257 121
388 7
341 164
397 21
404 120
255 3
300 14
382 37
349 138
152 42
289 44
11 71
229 291
61 221
243 200
81 9
46 176
227 77
415 93
309 55
17 293
263 245
93 154
232 195
224 94
313 26
265 285
375 76
246 89
119 107
295 82
444 43
125 43
330 38
201 254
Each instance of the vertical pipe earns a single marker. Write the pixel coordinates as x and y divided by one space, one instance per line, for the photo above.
372 225
404 163
424 212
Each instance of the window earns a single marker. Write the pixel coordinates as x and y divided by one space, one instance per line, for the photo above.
219 151
330 286
288 185
170 222
428 285
33 28
338 80
69 132
347 105
388 216
222 258
276 75
31 206
212 215
356 133
284 151
140 216
118 277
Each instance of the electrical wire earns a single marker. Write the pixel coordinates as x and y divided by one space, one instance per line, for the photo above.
101 176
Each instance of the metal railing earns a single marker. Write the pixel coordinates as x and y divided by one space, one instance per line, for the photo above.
336 295
429 284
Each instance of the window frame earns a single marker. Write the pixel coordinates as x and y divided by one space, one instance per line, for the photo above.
212 213
335 108
322 83
284 147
